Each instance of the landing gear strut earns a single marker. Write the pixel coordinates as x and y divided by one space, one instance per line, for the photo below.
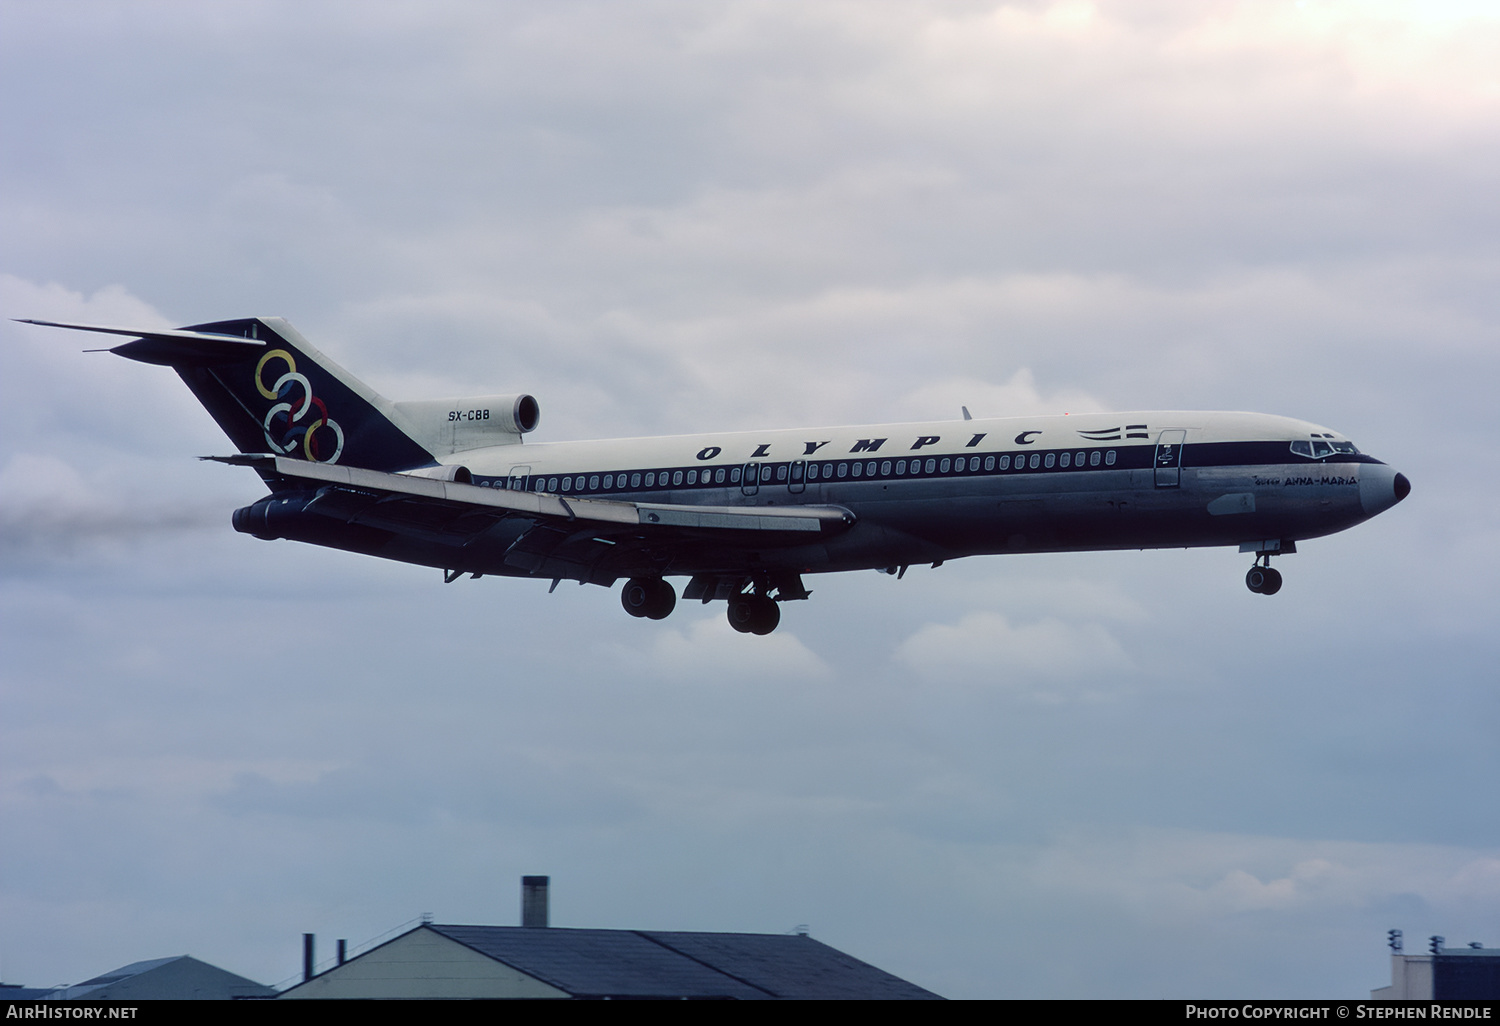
650 597
1262 579
753 614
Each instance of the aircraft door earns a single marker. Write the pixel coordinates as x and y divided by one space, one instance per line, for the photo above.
1169 458
750 479
798 480
517 482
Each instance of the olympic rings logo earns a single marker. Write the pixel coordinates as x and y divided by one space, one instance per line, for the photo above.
294 398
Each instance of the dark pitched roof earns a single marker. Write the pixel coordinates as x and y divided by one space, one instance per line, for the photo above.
791 966
640 963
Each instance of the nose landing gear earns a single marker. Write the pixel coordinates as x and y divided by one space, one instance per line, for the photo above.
1262 579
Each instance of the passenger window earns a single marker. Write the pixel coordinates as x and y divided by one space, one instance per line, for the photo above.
552 484
1065 459
989 463
635 480
567 484
734 475
943 467
812 472
827 471
843 470
765 473
593 482
1078 459
870 469
900 466
719 476
651 480
676 477
1050 460
1094 458
931 466
885 468
1109 458
609 481
1004 462
781 472
857 469
1036 460
692 477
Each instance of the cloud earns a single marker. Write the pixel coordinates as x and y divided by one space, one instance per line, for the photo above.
48 510
1179 875
676 217
1044 657
711 652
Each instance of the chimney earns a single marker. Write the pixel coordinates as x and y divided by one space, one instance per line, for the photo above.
534 900
307 957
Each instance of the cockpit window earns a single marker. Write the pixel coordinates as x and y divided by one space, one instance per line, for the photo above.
1317 448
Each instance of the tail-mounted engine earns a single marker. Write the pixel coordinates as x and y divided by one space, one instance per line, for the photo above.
445 426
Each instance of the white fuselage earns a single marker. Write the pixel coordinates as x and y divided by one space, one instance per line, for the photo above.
929 491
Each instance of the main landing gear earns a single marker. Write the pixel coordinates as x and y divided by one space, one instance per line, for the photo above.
753 614
650 597
750 611
1262 579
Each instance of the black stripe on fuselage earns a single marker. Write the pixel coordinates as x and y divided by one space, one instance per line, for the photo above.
1010 463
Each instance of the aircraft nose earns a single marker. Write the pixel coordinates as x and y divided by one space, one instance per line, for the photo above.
1380 488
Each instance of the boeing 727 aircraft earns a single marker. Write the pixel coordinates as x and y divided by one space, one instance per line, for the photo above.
743 516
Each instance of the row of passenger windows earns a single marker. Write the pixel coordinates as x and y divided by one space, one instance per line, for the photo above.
782 472
650 479
948 465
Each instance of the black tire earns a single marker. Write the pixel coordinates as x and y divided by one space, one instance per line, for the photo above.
742 613
1255 580
648 596
1272 583
767 616
663 600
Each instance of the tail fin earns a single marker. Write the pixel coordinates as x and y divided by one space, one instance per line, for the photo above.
271 391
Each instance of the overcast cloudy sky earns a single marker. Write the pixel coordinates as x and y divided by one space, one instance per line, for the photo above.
1086 775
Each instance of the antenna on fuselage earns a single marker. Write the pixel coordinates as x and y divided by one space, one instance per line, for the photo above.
966 413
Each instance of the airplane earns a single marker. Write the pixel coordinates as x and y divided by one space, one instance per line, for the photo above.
452 484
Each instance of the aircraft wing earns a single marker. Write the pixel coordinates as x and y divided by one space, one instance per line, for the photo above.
568 537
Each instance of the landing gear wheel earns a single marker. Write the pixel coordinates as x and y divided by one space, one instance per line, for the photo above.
753 614
1263 580
650 597
1273 582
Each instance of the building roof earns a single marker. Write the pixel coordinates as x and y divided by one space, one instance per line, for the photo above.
653 964
648 963
178 976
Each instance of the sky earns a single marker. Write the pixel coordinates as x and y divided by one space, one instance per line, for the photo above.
1079 775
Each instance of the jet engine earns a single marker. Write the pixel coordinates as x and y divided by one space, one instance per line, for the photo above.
445 426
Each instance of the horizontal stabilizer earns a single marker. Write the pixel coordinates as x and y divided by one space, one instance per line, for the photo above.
169 346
